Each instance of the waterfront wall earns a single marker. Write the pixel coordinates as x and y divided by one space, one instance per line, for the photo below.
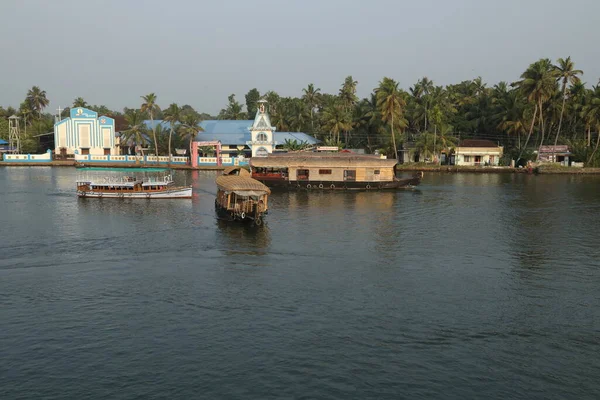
46 157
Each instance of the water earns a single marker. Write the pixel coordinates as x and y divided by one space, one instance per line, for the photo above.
472 286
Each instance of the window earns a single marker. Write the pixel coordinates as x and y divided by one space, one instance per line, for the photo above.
324 172
467 158
376 172
261 137
349 175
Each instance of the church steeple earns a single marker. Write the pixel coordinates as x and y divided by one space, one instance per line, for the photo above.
261 132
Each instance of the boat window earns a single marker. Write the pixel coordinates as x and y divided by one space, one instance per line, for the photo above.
376 172
324 172
349 175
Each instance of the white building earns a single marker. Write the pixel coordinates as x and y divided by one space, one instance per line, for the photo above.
478 152
261 133
85 133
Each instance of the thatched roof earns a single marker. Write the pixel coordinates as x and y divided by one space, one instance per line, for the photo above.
236 171
323 160
234 183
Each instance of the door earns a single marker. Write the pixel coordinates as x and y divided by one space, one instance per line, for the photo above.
85 152
302 174
107 152
349 175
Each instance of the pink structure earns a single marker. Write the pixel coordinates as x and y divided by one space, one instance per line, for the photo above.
195 145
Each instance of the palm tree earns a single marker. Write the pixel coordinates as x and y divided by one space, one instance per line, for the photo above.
149 106
172 116
591 114
311 97
537 85
390 104
190 128
336 119
568 75
79 102
135 128
37 99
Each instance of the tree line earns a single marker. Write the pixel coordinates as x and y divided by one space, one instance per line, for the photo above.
549 104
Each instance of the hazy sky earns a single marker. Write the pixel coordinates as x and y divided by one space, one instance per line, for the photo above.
198 52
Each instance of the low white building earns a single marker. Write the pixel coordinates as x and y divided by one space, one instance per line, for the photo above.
85 133
476 152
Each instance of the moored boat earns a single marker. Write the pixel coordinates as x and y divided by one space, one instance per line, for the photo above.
336 171
241 198
129 187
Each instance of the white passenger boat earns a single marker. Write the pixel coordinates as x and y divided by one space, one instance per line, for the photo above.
130 187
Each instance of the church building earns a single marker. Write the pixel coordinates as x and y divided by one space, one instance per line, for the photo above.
255 138
85 133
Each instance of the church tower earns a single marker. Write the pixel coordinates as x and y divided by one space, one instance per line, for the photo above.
261 132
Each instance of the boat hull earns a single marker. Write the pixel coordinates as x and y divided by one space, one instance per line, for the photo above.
346 185
175 193
228 215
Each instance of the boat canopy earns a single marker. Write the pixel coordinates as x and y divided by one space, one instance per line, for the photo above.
241 185
322 160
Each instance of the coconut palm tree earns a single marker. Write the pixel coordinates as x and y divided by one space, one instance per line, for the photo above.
79 102
336 119
567 74
37 99
591 114
149 106
172 116
136 129
311 98
537 84
391 103
190 128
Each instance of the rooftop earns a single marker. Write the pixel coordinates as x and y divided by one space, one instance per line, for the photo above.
477 143
236 132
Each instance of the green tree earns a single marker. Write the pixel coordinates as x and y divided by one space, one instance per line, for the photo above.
591 114
79 102
567 74
37 99
336 119
172 115
149 106
136 130
252 98
390 103
311 99
537 85
233 110
190 128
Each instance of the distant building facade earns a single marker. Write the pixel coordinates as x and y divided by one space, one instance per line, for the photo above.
83 132
478 152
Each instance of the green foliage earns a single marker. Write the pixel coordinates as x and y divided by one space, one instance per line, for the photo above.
252 97
294 145
4 128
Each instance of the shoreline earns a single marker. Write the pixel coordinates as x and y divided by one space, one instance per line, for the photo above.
75 164
540 170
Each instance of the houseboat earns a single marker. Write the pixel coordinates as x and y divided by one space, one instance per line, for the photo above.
241 198
334 171
129 187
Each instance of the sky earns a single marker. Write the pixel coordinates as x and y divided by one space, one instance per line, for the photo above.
198 52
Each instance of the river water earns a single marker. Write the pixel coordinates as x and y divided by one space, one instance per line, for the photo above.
472 286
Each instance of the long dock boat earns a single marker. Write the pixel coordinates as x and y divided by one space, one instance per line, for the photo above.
336 171
130 188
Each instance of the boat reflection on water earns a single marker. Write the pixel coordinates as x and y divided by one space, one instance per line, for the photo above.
243 238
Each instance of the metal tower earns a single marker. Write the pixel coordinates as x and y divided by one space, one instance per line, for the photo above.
14 140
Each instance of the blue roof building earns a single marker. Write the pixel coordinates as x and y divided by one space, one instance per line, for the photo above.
256 136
